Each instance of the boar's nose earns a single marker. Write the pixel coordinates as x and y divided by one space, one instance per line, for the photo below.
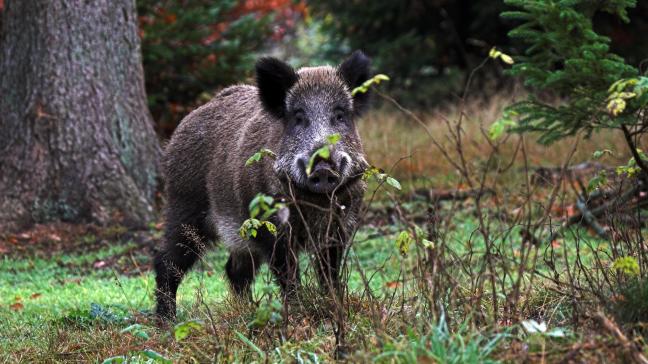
323 177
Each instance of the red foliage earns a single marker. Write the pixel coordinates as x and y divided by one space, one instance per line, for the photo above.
285 12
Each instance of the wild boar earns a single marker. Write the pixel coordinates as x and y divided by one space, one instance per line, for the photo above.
209 187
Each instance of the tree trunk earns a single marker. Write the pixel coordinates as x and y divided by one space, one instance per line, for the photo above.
76 137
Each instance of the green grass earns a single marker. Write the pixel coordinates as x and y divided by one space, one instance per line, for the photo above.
39 296
66 307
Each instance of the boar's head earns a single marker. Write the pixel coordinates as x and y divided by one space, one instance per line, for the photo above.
311 104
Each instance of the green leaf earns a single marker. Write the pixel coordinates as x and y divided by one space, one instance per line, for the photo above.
534 327
627 265
597 181
249 228
557 332
333 138
368 83
136 330
380 176
157 357
403 242
251 345
261 203
393 182
370 172
427 244
115 360
256 157
271 227
600 153
495 54
183 329
501 125
616 106
268 312
324 152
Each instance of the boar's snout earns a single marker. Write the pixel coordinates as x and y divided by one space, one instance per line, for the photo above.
326 174
323 178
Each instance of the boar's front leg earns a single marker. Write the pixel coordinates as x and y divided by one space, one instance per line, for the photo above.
284 264
327 264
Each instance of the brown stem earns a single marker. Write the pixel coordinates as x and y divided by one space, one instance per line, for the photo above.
635 153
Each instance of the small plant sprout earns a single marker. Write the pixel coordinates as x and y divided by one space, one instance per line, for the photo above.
495 54
631 168
534 327
182 330
323 152
601 179
627 266
136 330
256 157
403 242
268 312
624 91
381 177
421 238
142 356
368 83
600 153
261 206
503 124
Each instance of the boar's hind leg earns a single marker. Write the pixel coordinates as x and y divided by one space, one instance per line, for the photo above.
241 268
184 233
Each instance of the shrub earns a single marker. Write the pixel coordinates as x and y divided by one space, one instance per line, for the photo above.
566 57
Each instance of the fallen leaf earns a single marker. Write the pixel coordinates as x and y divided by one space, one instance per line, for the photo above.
392 284
35 296
570 211
17 306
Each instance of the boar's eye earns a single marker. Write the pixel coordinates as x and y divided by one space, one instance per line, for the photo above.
339 116
300 118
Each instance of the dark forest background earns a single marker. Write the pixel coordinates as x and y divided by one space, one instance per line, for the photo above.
193 48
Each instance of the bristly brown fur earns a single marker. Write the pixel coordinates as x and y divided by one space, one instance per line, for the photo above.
209 188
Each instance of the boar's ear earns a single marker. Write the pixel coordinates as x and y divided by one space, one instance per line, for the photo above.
274 78
355 70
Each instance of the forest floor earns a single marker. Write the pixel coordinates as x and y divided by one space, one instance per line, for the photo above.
90 299
475 286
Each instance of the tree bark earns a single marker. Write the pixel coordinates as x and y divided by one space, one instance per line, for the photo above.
76 136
